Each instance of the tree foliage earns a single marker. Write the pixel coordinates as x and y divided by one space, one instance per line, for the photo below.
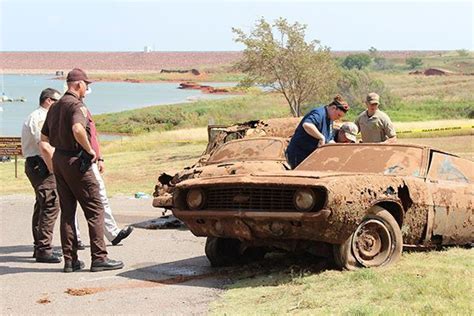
414 62
357 61
277 55
354 86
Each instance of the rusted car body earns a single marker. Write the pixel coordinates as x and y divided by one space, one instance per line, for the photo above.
238 158
364 201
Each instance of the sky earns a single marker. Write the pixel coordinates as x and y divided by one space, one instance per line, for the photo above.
126 25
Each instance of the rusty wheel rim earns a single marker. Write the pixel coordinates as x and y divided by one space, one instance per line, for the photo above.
372 243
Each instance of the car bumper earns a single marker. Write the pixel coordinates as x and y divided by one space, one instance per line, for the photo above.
250 226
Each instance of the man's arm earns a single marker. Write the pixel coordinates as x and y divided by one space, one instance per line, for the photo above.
47 152
389 131
80 135
313 131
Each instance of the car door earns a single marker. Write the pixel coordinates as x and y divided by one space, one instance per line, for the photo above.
450 181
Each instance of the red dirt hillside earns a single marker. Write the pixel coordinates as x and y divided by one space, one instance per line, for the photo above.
36 62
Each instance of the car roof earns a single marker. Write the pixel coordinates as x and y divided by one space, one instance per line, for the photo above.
389 145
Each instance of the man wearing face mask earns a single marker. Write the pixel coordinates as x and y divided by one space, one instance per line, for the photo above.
65 129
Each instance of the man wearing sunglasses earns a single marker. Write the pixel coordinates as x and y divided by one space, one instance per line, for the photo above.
314 130
65 130
46 208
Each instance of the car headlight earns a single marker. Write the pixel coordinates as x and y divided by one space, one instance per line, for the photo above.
304 199
195 199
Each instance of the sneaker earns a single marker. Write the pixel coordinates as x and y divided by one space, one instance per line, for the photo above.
80 245
124 233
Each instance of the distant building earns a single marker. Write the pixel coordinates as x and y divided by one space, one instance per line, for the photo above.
147 49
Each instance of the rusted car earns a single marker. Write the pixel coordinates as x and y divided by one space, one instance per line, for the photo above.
252 154
360 203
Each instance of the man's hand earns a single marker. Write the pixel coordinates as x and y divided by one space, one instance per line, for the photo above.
101 166
322 140
93 154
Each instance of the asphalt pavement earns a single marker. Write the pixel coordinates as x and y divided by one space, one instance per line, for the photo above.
166 271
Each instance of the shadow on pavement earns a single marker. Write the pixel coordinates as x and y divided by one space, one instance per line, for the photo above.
22 254
198 272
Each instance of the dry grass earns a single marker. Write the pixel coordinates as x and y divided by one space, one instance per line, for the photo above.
416 88
420 284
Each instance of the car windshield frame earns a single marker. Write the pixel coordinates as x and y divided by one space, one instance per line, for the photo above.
404 160
260 155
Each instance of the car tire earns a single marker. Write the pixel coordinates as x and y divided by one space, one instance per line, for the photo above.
377 241
222 252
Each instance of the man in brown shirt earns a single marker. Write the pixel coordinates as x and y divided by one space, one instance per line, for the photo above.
374 125
65 129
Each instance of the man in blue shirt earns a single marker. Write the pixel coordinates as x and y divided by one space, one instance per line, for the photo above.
314 130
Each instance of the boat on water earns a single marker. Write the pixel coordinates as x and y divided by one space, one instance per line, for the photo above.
4 98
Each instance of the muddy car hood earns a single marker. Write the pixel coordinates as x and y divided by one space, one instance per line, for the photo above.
283 177
239 168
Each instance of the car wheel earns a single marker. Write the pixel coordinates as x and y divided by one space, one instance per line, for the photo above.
223 252
377 241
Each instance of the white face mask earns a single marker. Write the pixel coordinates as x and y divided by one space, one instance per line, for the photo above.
89 90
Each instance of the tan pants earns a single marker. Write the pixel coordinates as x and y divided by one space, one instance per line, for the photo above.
74 186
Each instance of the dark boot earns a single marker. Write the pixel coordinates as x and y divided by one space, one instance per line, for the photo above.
107 264
69 266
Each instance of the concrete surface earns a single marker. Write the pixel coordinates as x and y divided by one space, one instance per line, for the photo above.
166 271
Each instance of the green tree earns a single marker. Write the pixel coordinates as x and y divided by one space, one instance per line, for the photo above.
354 85
373 52
414 62
277 55
357 61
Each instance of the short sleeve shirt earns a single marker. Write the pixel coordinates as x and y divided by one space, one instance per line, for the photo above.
375 129
302 144
62 115
31 132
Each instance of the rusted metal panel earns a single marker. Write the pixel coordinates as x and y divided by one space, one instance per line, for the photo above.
389 160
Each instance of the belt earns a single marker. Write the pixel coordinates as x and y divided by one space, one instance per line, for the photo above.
33 158
69 153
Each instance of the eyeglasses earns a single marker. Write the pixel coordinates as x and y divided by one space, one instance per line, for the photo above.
55 100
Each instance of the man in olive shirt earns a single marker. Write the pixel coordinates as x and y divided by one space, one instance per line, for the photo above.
65 130
374 125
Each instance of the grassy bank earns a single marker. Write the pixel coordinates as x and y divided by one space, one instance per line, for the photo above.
437 282
215 76
200 113
258 106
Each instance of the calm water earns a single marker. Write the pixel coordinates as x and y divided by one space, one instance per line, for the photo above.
105 97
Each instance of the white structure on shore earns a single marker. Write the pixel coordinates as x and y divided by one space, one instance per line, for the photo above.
147 49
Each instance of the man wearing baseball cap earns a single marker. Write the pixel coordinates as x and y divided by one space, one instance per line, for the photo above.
347 133
375 126
65 129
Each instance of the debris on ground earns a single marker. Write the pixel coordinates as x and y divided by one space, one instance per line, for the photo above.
163 222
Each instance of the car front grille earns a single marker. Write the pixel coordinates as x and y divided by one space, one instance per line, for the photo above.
250 198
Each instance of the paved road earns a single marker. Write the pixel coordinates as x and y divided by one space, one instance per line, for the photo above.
165 271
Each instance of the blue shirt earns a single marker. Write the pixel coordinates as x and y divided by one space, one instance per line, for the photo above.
302 144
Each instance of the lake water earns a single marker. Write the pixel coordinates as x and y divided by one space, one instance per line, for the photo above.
105 97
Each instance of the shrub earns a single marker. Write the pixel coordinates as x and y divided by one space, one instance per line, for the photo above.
357 61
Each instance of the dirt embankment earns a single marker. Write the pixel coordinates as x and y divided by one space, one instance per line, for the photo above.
50 62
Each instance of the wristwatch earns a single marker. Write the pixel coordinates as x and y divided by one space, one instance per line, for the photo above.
100 159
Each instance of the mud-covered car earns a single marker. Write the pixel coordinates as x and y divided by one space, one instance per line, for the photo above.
360 203
250 155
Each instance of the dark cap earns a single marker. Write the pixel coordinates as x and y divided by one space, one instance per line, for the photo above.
77 75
